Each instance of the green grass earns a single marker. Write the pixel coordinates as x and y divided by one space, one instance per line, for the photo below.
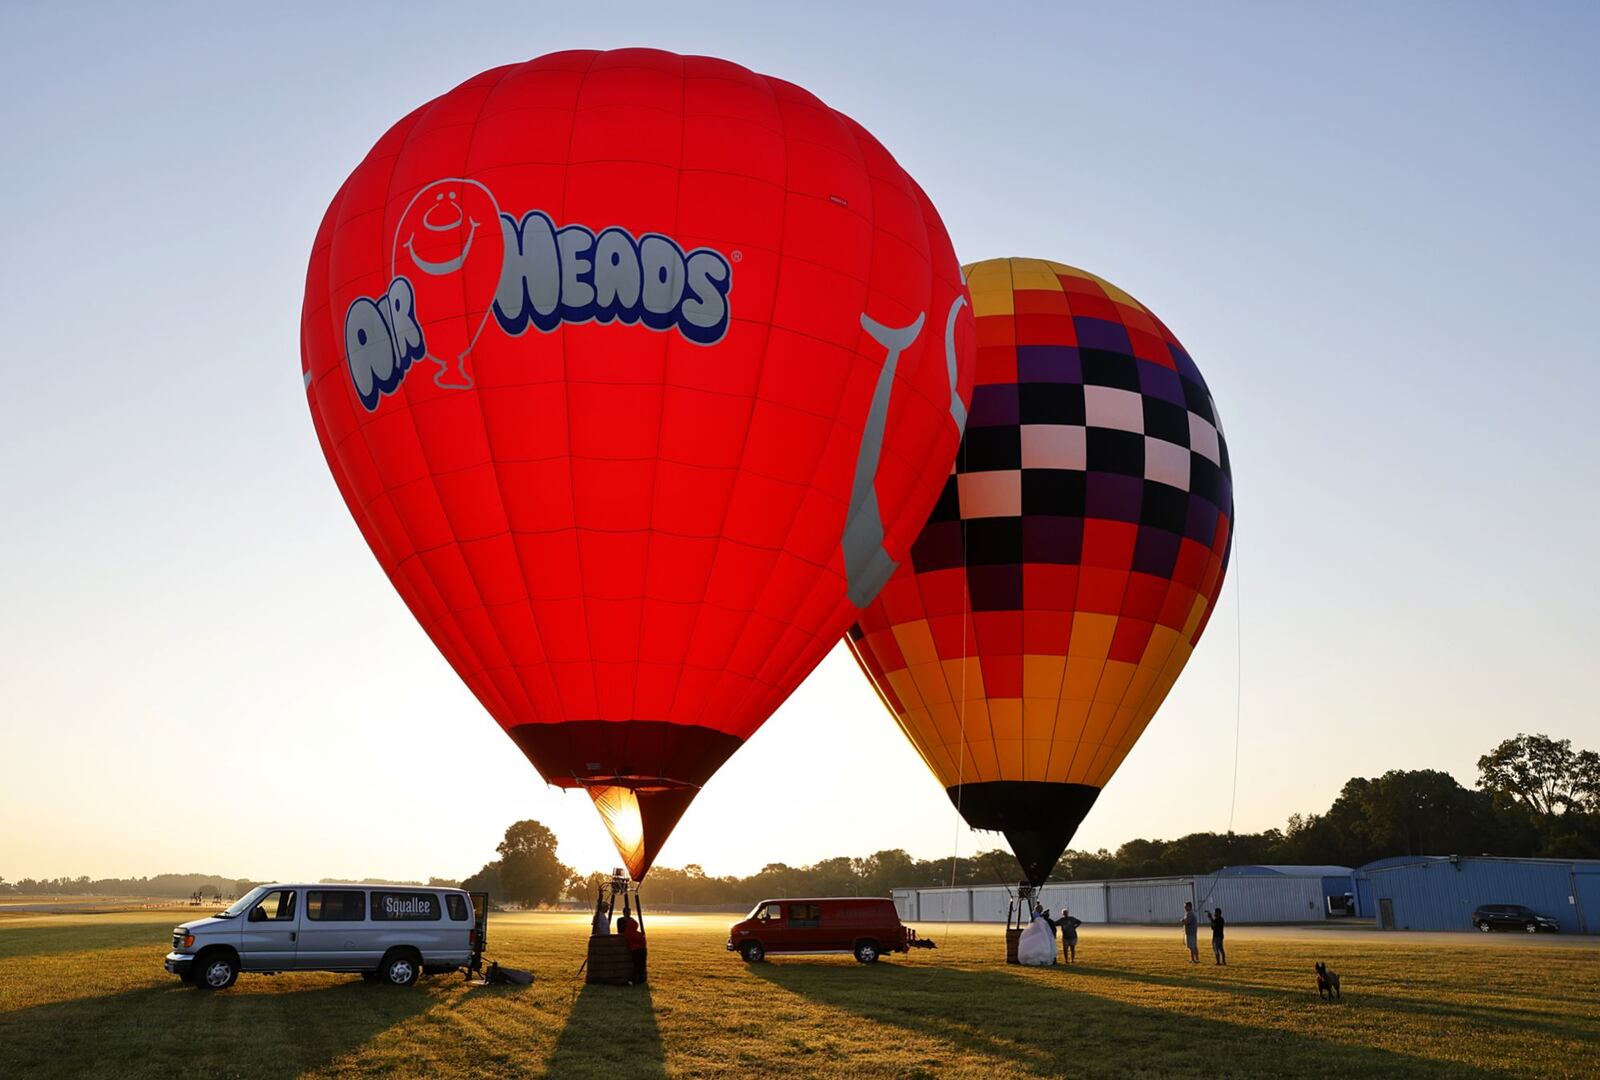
85 996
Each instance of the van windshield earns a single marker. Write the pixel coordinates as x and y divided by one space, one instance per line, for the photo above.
244 901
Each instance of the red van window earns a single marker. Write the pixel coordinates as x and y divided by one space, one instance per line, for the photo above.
770 913
805 915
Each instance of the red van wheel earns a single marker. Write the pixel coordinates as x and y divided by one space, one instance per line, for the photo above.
867 952
752 952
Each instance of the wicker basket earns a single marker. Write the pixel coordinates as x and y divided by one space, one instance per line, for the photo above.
610 960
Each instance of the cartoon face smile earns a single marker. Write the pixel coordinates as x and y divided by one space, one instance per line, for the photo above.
446 266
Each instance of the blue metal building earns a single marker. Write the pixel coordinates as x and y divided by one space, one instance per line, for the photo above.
1337 881
1439 892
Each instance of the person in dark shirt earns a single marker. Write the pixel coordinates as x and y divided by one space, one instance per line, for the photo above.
1069 924
1216 937
629 929
1188 925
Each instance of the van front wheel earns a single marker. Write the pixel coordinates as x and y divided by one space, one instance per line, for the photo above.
752 952
867 952
401 967
216 970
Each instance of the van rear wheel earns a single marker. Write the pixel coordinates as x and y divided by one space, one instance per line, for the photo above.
401 967
752 952
1484 926
867 952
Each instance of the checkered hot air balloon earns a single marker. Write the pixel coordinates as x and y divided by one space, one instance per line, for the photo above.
1071 563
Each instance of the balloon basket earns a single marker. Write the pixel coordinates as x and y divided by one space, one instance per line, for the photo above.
1018 914
610 961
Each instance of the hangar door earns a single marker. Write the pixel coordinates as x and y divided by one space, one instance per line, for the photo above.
1586 891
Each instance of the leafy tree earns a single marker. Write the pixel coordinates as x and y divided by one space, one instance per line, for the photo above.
1546 775
486 880
585 887
884 870
530 873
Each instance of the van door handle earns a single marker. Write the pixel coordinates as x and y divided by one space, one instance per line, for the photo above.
293 936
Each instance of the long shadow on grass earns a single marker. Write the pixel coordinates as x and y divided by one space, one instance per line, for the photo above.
1494 1015
610 1031
251 1029
1054 1029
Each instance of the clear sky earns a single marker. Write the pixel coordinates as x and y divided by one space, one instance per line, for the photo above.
1374 226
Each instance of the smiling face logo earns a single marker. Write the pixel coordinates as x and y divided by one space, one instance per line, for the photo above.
456 259
450 246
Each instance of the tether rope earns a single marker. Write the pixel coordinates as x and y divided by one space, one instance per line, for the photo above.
1238 699
961 744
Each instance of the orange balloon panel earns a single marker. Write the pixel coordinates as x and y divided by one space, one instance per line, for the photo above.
1071 563
631 367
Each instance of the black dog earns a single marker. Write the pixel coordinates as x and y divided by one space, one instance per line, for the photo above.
1327 982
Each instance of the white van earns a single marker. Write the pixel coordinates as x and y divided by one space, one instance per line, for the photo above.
387 933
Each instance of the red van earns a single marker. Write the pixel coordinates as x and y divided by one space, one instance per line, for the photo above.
863 925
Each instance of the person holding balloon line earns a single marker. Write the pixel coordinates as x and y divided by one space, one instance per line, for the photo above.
1217 949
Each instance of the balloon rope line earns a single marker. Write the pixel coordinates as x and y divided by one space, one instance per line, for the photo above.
961 745
1238 675
1238 695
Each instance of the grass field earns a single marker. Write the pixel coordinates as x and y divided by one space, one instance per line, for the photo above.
85 996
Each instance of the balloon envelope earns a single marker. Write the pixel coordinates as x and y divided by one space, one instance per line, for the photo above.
630 367
1072 560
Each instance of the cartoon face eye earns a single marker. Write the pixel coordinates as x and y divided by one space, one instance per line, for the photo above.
452 195
439 197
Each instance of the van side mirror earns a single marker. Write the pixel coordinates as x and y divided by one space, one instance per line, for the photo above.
258 915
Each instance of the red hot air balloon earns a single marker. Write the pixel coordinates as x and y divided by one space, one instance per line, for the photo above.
639 373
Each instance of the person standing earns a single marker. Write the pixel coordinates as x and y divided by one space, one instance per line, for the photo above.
601 923
1045 915
1069 935
1217 924
629 929
1191 931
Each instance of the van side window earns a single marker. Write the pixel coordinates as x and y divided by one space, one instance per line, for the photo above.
771 912
406 905
805 915
336 905
457 906
277 905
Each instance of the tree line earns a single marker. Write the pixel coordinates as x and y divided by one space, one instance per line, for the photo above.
1534 796
196 887
207 886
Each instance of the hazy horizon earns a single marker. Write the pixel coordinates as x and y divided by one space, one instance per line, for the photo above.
1372 226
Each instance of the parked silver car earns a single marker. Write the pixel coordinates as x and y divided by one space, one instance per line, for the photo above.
387 933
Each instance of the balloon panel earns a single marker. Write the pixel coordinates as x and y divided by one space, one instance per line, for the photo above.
630 367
